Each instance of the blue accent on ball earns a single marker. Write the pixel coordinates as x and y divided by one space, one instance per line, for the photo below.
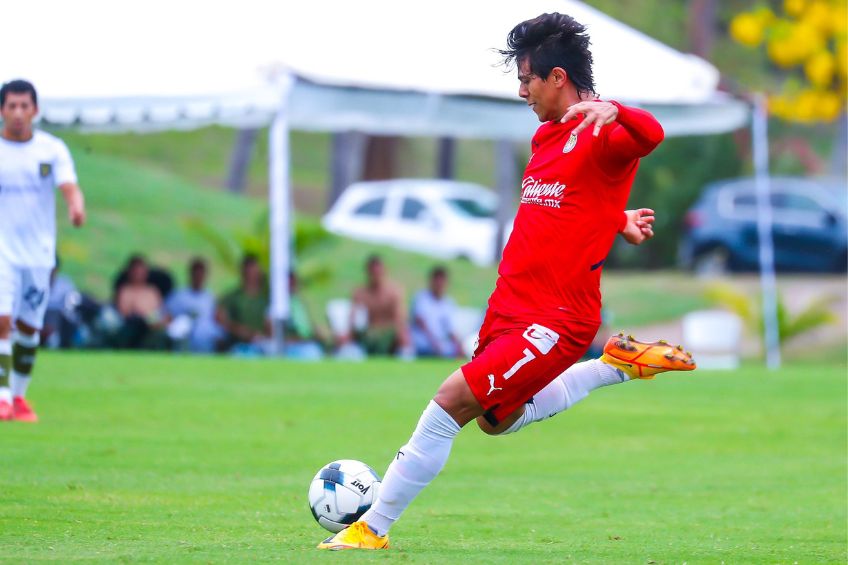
351 518
332 475
330 485
335 466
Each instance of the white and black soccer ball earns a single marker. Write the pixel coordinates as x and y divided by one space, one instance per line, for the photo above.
341 492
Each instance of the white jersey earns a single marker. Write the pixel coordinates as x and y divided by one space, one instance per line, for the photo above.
29 173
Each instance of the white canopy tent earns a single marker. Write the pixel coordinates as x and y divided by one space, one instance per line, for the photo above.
375 66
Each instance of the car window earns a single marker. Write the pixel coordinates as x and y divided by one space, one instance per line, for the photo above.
794 201
412 209
472 208
370 208
744 199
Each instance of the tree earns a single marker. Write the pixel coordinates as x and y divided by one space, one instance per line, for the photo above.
807 46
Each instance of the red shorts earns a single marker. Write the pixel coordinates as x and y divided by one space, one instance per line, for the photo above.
515 359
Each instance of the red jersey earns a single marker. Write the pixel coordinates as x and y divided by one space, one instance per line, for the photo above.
573 197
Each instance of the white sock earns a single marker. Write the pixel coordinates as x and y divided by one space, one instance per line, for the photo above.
566 390
416 464
5 349
20 382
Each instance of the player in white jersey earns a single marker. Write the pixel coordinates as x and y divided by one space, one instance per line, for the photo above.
32 164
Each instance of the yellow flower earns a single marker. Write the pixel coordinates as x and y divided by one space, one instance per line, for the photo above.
829 106
820 69
747 29
806 106
790 44
841 49
818 15
780 106
794 8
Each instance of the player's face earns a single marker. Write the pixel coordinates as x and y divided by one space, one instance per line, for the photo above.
541 95
18 111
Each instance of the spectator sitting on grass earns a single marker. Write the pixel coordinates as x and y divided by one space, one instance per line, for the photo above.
302 340
196 304
243 312
140 305
383 300
432 319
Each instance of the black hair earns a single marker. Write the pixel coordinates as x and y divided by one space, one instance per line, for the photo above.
197 263
249 259
373 260
135 259
552 40
18 86
438 271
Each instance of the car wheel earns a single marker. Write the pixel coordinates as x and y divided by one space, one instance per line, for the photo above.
713 261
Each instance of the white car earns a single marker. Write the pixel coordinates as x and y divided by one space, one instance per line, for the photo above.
442 218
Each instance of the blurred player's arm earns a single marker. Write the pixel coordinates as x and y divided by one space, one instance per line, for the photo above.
75 201
632 134
637 225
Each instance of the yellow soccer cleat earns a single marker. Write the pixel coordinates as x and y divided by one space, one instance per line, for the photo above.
356 536
644 360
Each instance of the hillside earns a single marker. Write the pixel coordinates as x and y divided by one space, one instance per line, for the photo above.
135 207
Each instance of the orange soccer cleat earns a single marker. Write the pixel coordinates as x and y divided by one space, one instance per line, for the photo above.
356 536
23 412
644 360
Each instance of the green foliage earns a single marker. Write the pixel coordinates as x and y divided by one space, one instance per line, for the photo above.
669 181
169 459
814 315
230 247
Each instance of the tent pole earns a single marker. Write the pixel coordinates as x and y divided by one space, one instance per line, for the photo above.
279 191
506 186
768 282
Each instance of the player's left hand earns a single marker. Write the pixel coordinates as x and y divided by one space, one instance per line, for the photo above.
595 112
76 214
639 227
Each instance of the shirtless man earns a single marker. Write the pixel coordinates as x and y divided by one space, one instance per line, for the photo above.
385 303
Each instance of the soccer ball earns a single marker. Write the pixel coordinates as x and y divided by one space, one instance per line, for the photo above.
341 492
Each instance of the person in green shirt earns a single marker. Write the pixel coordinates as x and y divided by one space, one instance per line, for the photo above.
302 338
243 312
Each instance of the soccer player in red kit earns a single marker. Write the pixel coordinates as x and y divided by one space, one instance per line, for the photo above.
545 309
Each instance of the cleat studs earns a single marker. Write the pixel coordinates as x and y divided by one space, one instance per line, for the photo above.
679 348
662 342
669 356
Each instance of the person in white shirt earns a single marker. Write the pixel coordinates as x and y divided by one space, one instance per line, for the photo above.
196 303
433 311
32 164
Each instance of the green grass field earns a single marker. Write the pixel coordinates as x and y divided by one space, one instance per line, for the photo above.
179 459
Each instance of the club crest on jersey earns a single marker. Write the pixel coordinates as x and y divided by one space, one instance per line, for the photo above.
44 169
569 145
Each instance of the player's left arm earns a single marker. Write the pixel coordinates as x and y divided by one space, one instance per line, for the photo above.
632 134
66 180
72 194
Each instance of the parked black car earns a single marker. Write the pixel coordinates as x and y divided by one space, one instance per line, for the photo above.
809 226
